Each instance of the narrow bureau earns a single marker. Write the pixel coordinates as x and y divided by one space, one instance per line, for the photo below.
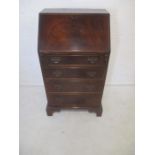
74 50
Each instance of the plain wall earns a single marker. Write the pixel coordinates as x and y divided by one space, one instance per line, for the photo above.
121 66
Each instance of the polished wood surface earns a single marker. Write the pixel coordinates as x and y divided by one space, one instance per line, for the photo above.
73 85
74 33
74 100
74 50
74 72
49 60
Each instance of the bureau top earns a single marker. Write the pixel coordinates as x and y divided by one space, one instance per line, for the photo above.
74 30
73 11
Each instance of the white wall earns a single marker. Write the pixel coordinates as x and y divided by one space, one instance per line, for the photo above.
121 68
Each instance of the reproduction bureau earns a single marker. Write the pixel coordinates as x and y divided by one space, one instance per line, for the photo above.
74 49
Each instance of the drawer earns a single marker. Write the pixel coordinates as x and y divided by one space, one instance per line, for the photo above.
73 85
50 60
74 72
74 100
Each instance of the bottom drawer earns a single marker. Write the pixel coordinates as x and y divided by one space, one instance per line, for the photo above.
74 100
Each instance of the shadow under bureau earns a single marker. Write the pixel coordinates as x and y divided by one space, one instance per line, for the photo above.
74 49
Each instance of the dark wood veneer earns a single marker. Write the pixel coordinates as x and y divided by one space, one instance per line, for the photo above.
96 59
74 72
73 85
74 49
74 100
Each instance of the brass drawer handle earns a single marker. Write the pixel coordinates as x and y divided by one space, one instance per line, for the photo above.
91 73
92 60
55 60
57 73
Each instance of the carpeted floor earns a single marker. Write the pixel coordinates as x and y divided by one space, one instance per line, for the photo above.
77 132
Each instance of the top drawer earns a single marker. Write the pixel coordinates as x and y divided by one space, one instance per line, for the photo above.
50 60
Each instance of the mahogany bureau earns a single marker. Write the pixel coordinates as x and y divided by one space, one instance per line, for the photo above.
74 49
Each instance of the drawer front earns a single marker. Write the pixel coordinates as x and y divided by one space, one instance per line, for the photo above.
74 100
72 85
50 60
74 72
